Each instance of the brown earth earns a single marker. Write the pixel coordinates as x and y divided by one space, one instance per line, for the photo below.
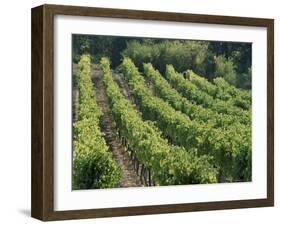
121 156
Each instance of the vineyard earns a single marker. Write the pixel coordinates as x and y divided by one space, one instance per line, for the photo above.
145 127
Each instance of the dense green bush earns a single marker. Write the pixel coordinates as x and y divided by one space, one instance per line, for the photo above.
210 59
244 80
225 68
181 54
204 58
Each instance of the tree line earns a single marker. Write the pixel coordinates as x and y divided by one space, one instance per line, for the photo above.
210 59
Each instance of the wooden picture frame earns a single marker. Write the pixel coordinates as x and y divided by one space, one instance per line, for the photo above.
42 203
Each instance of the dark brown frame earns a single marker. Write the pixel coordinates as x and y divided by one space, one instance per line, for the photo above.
42 203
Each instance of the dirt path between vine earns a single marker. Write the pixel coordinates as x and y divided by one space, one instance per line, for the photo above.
129 177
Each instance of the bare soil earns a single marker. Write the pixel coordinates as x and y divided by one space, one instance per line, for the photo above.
121 156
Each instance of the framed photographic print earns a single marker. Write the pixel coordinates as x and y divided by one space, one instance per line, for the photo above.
141 112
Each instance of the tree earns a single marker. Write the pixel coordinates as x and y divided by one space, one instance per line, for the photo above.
225 68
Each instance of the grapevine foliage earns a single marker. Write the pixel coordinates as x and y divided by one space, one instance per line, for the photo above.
93 165
193 93
230 148
169 165
196 112
221 89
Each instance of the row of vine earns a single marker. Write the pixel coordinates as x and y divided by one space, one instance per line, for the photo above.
196 112
221 89
230 148
195 94
93 165
168 164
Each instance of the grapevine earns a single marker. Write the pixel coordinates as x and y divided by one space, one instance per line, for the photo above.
93 165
